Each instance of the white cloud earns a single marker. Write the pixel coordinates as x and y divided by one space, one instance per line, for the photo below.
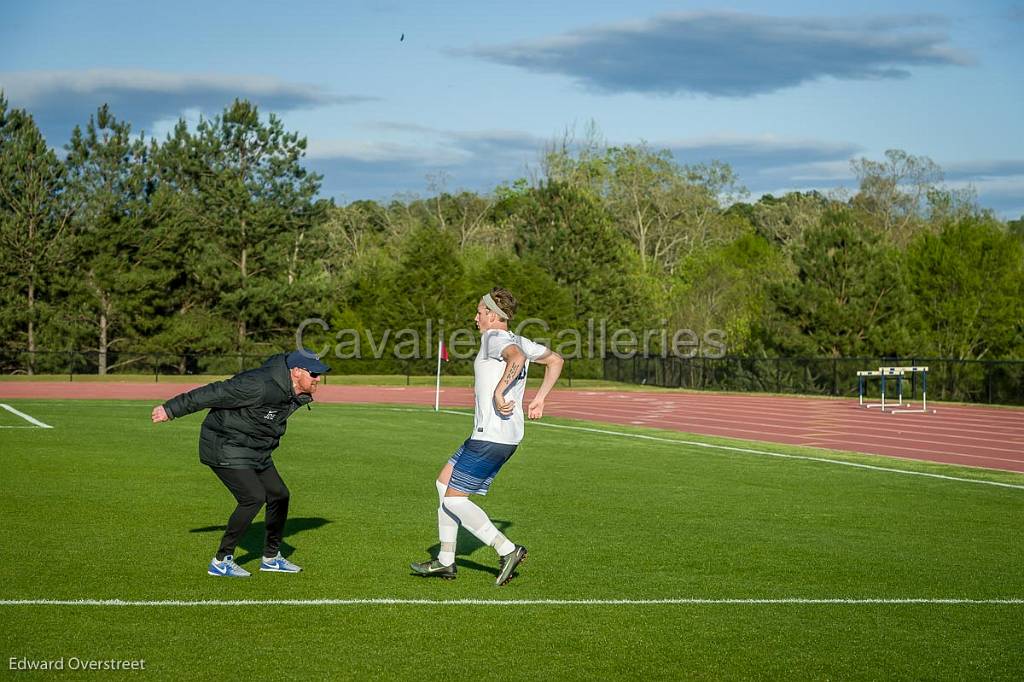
732 54
59 100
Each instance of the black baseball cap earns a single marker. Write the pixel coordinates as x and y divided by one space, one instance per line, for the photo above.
307 360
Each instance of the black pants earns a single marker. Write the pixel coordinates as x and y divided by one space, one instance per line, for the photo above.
251 489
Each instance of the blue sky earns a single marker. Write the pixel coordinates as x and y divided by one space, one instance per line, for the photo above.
786 92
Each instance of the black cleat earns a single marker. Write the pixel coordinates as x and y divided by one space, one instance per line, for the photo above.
434 568
508 565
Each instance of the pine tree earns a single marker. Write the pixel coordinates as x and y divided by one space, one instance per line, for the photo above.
255 223
116 246
32 227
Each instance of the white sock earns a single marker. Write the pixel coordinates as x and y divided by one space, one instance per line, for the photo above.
475 520
447 529
502 545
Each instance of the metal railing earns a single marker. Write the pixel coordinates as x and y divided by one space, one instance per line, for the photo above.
978 381
77 363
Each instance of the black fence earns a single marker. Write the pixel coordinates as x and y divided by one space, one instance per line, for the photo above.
79 363
76 363
978 381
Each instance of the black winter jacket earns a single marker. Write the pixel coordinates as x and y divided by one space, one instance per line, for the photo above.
248 415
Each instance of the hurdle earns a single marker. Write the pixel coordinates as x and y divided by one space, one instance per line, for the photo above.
882 373
923 371
862 378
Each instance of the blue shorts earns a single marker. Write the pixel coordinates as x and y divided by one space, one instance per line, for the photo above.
476 463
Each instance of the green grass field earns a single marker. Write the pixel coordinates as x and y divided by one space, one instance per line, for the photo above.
106 506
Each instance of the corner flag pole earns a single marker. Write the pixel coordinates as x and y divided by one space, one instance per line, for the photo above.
437 390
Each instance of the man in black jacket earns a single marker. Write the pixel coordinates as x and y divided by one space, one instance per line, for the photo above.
248 416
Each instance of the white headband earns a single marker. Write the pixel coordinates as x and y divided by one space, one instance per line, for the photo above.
489 302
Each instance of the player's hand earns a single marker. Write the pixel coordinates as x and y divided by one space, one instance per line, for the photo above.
536 408
160 414
504 407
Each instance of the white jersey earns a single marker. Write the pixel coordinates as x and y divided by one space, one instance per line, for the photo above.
488 368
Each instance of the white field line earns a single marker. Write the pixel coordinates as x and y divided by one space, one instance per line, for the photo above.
385 601
30 419
764 453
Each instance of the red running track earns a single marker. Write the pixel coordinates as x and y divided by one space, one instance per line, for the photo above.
967 435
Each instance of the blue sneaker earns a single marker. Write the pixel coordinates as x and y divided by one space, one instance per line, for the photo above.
278 565
226 568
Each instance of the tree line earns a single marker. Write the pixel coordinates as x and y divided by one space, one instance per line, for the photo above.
215 240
